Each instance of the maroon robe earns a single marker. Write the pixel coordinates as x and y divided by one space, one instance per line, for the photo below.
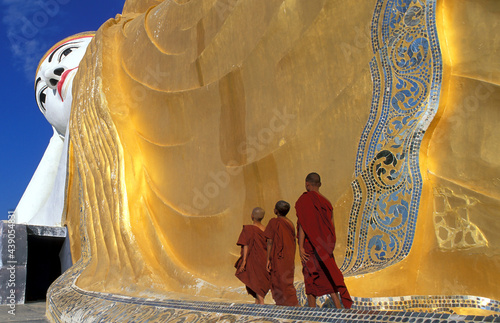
255 277
282 258
321 273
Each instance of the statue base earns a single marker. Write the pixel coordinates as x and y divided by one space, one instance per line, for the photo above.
29 261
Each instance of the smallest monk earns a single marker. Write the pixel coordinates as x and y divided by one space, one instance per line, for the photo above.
251 266
280 234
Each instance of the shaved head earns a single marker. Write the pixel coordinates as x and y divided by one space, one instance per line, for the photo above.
258 213
282 207
313 179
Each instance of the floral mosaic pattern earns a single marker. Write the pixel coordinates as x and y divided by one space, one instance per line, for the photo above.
406 71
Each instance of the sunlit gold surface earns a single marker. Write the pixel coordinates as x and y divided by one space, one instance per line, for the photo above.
464 149
191 113
456 246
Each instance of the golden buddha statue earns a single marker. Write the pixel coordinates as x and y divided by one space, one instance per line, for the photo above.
188 114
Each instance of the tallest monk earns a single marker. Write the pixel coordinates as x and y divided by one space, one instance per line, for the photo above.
316 234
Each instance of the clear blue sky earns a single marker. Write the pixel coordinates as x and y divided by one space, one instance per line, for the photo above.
28 29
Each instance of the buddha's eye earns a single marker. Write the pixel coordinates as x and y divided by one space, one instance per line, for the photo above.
66 52
42 96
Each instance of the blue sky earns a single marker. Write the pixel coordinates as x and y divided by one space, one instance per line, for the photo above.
28 29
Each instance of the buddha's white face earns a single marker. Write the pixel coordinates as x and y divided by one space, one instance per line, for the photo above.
54 79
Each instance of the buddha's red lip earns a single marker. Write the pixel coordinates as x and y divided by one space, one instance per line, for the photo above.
61 81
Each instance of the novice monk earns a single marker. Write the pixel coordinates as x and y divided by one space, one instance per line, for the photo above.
316 234
251 266
280 234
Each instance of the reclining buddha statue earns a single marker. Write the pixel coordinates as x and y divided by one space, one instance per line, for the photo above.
188 114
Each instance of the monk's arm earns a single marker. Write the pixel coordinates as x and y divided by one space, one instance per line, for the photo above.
269 246
301 237
243 264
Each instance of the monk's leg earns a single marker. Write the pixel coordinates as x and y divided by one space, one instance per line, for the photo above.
311 300
336 300
346 298
259 299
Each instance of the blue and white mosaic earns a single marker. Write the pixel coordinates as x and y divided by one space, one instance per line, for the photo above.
406 71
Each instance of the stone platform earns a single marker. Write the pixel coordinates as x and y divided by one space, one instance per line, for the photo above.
32 312
29 261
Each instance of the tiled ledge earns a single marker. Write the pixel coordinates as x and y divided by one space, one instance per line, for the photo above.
75 305
67 302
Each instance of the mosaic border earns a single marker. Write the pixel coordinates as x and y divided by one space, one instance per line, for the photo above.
406 71
439 303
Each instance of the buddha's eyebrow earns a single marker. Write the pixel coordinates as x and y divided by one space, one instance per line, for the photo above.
58 48
37 80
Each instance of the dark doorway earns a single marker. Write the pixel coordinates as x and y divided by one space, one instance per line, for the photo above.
44 265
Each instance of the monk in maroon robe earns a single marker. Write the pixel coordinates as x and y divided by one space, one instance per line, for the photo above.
280 234
251 266
316 234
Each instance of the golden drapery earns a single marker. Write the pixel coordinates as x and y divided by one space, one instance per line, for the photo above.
186 119
188 114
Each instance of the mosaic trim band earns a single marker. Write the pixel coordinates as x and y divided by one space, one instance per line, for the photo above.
440 304
68 303
406 71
